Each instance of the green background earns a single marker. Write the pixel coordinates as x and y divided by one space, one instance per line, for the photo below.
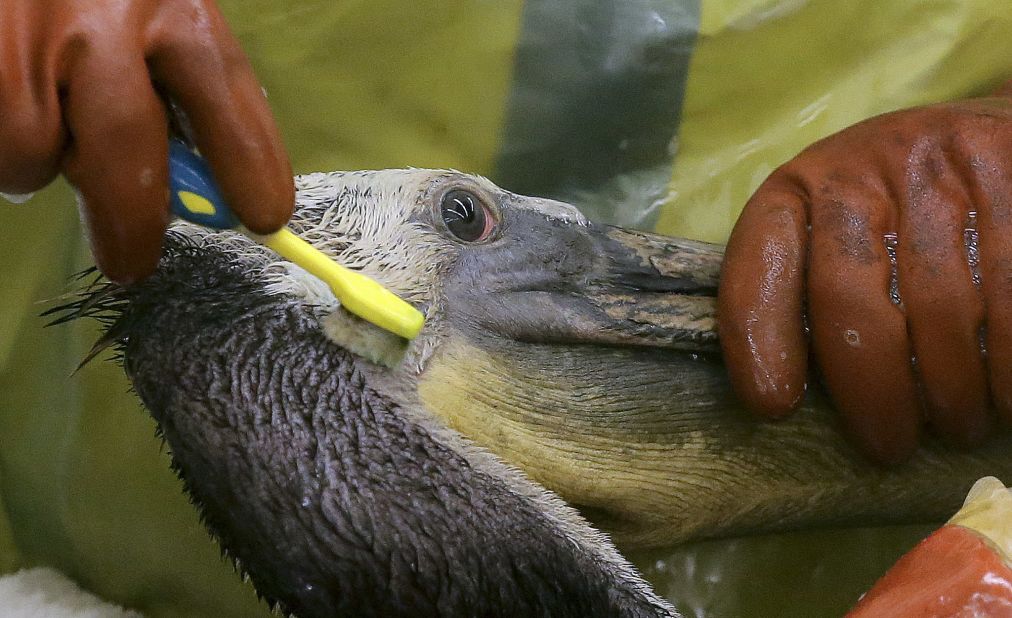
655 114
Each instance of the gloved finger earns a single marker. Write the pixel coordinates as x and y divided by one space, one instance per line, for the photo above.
759 305
994 225
201 66
859 336
31 129
118 159
944 309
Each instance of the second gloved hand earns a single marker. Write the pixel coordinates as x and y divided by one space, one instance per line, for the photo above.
894 237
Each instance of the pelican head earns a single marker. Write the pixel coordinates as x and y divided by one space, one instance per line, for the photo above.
563 364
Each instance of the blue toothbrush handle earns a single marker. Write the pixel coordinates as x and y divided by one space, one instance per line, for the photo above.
193 194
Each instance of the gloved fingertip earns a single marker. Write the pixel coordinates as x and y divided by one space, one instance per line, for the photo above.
973 430
769 397
886 452
274 208
126 243
888 458
128 270
766 356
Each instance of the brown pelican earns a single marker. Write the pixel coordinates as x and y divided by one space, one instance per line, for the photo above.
561 361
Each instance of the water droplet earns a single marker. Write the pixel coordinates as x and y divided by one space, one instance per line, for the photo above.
17 198
971 243
891 242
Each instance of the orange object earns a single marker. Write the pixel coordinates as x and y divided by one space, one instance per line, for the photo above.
962 570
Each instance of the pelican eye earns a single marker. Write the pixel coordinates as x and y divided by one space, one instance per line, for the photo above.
465 215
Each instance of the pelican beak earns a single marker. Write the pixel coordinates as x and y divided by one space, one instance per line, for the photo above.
592 284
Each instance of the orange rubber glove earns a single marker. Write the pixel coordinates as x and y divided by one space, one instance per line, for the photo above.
894 239
964 569
78 96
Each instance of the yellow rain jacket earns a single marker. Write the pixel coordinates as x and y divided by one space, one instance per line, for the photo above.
661 114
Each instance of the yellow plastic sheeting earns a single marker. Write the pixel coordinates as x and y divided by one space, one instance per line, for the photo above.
770 77
383 83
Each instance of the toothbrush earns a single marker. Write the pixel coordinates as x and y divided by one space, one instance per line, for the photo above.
195 198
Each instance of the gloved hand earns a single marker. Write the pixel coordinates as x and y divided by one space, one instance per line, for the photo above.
894 239
78 96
